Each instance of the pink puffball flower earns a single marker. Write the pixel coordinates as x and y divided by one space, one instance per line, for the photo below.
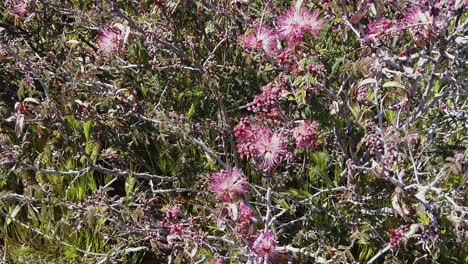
245 134
378 29
109 40
306 134
244 228
295 22
261 144
175 233
271 149
21 8
421 25
172 212
267 100
228 184
265 248
263 39
246 214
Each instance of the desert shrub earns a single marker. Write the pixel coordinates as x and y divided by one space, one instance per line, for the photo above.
233 131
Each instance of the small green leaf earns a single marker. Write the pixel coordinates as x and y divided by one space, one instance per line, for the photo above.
87 129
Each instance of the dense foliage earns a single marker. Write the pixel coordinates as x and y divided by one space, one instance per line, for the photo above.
233 131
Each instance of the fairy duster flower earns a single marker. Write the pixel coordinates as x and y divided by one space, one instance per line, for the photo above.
228 184
263 38
378 29
421 25
265 248
306 134
21 7
245 134
267 100
271 149
172 212
295 22
246 214
109 40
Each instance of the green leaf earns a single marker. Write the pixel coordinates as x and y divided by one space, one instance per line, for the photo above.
300 194
191 111
87 129
129 186
12 214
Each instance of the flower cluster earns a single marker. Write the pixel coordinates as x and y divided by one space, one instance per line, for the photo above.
292 25
373 139
172 212
317 69
392 156
460 158
307 134
266 147
288 59
176 232
246 220
362 96
246 213
228 184
245 134
423 25
397 235
429 233
274 116
267 100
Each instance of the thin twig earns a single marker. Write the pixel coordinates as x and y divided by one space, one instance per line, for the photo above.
380 253
116 172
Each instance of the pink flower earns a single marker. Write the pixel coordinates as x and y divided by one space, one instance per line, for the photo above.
317 69
246 213
245 134
172 212
260 143
175 233
449 5
109 40
313 24
420 25
306 134
270 149
21 8
264 38
361 97
267 100
228 184
245 226
288 58
378 29
275 116
295 22
265 248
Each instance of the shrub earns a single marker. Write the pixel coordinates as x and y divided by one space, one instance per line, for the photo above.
233 131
